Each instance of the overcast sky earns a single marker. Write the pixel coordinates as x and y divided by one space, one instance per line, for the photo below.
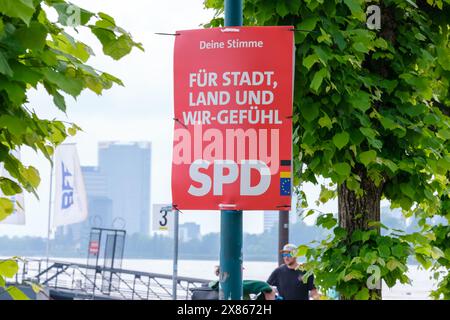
142 110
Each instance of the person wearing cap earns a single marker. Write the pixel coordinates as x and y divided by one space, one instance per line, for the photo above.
289 280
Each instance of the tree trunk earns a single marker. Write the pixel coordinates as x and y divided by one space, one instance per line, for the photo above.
356 212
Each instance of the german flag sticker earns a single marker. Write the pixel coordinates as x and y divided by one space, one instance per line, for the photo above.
285 177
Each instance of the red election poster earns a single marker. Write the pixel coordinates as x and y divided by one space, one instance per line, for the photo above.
233 91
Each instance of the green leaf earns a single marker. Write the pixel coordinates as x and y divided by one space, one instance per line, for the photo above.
25 74
398 251
310 60
444 163
281 8
9 187
109 77
69 85
390 164
423 261
16 93
360 100
309 213
353 184
340 232
388 123
360 47
309 24
22 9
342 169
436 253
367 157
17 294
113 46
67 44
326 194
444 133
363 294
444 57
431 119
32 37
326 220
324 54
340 140
6 208
59 101
108 18
4 66
408 190
354 274
14 125
309 111
369 133
302 250
318 78
393 264
384 251
325 121
31 175
8 268
356 8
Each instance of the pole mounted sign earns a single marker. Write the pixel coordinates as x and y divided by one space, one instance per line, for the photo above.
233 92
162 217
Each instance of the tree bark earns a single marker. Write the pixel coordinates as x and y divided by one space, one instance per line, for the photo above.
356 212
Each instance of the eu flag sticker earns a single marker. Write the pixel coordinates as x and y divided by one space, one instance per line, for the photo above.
285 178
285 187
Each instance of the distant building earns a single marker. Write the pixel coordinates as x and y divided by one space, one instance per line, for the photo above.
189 231
270 220
100 204
126 167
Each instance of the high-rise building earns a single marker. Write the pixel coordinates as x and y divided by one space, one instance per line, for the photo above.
189 231
270 220
126 167
99 202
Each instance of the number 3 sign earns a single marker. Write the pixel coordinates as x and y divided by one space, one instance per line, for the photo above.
162 217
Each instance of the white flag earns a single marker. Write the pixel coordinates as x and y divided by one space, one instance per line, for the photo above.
18 215
70 205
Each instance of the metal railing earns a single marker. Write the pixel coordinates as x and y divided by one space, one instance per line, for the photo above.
81 281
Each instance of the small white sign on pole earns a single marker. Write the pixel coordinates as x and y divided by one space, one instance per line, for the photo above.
162 217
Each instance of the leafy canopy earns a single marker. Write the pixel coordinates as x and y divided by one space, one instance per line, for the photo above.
371 105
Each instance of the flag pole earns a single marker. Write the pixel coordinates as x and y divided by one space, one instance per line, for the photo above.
49 209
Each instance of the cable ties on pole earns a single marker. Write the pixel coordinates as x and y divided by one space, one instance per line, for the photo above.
301 30
226 205
167 34
178 120
174 206
229 30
